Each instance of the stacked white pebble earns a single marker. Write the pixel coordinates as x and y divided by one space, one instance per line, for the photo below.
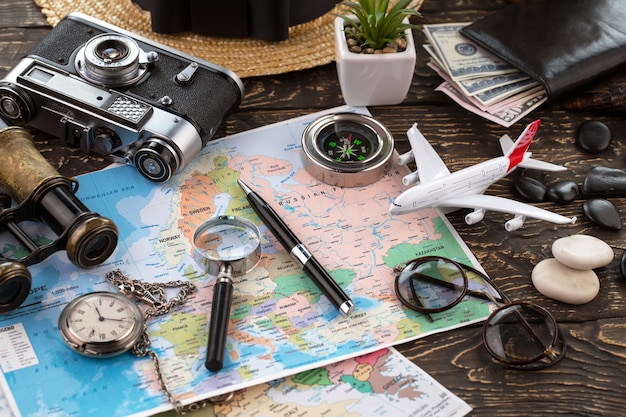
569 276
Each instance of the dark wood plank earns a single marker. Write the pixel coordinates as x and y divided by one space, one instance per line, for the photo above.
20 13
22 25
586 383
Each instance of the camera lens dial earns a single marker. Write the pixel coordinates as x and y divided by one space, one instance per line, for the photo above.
111 60
15 107
156 160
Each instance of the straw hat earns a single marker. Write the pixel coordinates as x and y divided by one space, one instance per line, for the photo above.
309 45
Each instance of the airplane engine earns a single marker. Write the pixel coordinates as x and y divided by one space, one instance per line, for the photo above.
412 178
515 223
475 216
406 158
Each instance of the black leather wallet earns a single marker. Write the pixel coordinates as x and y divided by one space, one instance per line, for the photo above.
563 44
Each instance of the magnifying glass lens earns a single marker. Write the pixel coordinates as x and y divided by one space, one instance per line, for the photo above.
226 242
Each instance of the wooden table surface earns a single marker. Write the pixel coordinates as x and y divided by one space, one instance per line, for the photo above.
591 380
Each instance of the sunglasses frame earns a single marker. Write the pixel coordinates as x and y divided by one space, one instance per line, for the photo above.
504 303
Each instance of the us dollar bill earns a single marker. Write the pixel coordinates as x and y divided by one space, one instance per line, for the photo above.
505 117
476 86
495 95
485 86
461 57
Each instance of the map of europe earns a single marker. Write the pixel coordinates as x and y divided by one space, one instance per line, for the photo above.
280 322
381 383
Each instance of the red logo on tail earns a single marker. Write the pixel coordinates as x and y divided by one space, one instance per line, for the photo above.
516 154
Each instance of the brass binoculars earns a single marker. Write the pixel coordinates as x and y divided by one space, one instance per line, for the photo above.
41 194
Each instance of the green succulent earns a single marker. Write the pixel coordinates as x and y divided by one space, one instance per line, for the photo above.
376 26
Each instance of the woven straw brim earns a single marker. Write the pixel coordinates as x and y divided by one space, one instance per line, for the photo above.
309 45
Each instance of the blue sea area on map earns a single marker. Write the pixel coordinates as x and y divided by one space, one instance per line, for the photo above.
60 365
363 303
248 351
121 188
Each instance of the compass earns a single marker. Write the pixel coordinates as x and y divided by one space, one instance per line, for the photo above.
347 149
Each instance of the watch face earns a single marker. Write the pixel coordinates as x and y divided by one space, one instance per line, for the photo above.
101 324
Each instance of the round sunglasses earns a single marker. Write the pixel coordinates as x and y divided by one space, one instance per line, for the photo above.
517 334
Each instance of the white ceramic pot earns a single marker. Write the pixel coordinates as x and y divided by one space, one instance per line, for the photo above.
373 79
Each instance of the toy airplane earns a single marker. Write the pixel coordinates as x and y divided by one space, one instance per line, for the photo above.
464 189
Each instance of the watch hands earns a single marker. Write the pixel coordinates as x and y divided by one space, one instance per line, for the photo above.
112 319
102 318
99 314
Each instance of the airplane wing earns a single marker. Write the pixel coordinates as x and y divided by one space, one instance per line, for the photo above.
482 202
429 164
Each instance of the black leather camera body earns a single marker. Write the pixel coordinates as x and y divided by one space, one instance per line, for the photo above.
119 95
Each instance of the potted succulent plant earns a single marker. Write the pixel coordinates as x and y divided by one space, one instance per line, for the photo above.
375 52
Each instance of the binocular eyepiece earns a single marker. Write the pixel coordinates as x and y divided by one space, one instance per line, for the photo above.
42 194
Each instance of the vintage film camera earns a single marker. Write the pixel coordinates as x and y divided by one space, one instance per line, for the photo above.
120 96
41 195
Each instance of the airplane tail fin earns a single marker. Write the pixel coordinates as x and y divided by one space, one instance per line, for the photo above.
508 148
517 153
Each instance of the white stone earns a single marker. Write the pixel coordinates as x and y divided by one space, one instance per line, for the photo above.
562 283
582 252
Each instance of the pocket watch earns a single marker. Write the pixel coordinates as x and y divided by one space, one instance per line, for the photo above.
347 149
101 324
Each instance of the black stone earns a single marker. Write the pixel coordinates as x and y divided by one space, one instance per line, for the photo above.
530 188
622 264
605 182
563 192
593 136
603 213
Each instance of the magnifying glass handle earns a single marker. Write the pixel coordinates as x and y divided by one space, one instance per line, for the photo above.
220 315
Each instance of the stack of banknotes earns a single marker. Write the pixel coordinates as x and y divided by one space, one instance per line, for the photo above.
478 80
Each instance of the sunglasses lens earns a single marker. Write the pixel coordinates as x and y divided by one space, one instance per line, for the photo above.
523 335
431 285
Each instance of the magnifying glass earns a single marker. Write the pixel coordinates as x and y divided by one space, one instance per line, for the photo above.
225 246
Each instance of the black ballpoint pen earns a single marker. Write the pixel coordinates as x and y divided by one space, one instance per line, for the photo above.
298 251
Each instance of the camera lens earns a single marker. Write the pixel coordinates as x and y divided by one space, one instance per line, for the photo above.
111 60
15 282
111 50
156 160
